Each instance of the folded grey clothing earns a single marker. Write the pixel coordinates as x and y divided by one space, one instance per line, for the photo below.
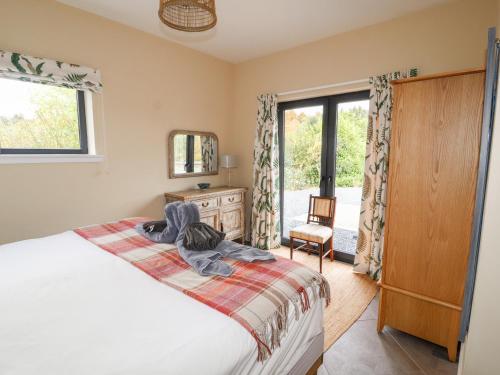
201 236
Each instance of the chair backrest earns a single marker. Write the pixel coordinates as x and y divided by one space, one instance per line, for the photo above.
321 210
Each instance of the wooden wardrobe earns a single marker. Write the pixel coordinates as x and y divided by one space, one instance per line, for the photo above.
433 163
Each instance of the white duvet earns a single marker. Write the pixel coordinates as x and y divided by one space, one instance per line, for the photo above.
68 307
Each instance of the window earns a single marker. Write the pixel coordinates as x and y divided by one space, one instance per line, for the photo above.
41 119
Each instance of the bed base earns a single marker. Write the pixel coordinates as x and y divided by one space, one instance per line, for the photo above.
314 369
312 358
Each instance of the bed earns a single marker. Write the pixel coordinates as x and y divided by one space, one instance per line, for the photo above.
68 307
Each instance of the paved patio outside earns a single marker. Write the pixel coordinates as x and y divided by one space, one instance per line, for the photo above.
296 204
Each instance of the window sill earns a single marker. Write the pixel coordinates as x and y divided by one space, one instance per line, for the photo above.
49 158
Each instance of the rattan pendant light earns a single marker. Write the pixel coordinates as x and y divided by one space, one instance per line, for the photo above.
188 15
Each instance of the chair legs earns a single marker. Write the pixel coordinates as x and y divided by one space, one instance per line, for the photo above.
321 258
321 251
331 247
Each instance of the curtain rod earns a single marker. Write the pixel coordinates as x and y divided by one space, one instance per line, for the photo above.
340 84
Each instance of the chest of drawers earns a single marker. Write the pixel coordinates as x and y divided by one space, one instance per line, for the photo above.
221 207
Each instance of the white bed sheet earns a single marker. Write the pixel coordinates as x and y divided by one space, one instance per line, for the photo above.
69 307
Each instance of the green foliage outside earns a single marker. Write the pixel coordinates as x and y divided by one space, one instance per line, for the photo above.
54 124
351 147
303 149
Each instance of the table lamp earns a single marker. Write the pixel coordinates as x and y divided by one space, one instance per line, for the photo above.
228 161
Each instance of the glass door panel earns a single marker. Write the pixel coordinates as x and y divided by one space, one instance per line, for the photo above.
322 152
302 155
351 127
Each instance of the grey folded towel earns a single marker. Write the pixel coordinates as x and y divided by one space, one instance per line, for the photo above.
201 236
179 217
163 231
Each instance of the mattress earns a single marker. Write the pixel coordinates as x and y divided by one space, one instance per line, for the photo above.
68 307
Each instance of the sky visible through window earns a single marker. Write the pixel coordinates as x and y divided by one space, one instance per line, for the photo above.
15 98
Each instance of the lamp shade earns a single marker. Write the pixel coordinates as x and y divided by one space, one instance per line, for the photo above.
228 161
188 15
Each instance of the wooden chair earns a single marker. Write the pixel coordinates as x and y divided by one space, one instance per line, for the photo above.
319 228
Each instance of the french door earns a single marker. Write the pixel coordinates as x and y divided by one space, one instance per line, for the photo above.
322 150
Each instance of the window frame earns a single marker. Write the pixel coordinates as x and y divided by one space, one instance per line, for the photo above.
189 166
82 131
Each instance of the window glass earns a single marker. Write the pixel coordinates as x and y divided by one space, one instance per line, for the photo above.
40 117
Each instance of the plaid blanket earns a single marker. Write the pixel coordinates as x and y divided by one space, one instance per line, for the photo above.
257 295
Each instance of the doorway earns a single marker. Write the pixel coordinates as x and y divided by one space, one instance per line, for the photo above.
322 152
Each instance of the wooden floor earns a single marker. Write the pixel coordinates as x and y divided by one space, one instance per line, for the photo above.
362 351
350 292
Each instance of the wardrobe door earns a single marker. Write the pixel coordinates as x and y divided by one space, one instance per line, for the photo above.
432 181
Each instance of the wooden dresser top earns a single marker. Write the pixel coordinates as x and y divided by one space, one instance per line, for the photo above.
199 193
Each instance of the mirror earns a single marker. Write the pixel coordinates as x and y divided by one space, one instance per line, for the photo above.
192 153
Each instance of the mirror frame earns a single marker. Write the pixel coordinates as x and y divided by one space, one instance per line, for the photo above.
171 158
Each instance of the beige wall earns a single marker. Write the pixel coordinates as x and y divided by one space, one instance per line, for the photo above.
443 38
151 87
480 351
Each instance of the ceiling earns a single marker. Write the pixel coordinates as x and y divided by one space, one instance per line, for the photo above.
251 28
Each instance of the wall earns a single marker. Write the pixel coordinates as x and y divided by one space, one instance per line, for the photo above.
479 354
152 86
443 38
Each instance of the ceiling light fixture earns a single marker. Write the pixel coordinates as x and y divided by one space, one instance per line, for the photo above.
188 15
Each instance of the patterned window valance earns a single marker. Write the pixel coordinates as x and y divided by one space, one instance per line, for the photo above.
50 72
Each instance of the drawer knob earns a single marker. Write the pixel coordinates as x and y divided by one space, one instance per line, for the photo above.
231 199
204 204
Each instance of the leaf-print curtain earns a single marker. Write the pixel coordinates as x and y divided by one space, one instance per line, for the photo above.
49 72
369 247
208 154
265 199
